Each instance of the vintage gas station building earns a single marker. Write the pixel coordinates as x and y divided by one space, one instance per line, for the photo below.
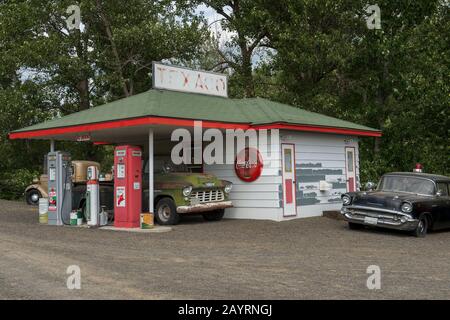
317 156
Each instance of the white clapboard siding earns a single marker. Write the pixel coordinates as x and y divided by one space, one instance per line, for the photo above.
306 156
258 199
318 151
314 139
256 203
224 171
264 180
272 188
254 195
261 199
254 213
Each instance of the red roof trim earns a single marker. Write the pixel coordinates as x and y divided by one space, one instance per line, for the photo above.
124 123
184 123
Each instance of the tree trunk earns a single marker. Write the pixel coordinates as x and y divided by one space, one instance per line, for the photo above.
115 52
83 84
83 90
381 99
247 75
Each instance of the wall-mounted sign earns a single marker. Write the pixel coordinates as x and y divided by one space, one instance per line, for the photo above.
188 80
82 138
248 164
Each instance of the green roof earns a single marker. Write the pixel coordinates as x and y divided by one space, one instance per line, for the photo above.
172 104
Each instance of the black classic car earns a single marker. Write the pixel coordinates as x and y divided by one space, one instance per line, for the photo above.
415 202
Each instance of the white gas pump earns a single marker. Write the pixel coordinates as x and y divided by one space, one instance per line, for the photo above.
92 197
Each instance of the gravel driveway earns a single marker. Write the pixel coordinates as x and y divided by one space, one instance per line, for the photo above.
315 258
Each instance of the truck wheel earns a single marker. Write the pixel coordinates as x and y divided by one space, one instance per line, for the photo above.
422 228
166 212
355 226
214 215
32 197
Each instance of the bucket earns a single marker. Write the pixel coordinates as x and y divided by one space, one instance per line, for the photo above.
43 210
43 218
147 220
73 218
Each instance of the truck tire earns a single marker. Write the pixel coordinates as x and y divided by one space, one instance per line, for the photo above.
216 215
32 197
166 212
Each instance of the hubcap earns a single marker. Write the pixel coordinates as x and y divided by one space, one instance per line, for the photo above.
35 197
164 212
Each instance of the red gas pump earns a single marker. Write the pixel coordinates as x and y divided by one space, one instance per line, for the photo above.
127 186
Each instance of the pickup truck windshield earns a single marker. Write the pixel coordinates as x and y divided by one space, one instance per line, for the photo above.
165 166
406 184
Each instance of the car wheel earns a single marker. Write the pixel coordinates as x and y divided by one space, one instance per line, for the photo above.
422 228
355 226
32 197
166 212
214 215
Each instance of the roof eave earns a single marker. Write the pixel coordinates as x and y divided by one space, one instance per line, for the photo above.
319 129
151 120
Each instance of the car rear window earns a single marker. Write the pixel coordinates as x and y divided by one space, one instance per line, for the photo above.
441 186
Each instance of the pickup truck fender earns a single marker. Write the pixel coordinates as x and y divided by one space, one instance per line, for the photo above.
39 188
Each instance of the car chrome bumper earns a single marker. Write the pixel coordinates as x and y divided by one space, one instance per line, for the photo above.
385 218
203 207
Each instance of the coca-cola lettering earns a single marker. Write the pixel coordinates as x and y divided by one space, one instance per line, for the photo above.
249 164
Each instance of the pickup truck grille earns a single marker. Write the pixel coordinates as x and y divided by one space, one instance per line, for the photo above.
207 196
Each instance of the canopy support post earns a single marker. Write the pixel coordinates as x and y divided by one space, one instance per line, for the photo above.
150 172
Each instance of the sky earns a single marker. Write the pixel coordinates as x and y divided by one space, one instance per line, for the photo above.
224 36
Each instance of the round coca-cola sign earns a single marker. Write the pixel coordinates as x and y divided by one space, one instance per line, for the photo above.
248 164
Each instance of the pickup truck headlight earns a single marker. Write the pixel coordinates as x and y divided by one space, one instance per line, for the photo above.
187 191
406 207
346 200
228 188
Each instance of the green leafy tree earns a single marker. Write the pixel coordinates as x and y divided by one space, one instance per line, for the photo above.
394 78
247 24
48 70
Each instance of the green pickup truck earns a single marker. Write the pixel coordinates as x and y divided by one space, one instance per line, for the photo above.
178 191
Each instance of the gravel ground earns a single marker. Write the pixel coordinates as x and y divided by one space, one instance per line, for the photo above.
316 258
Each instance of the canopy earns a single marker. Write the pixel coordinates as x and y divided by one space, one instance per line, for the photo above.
169 109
